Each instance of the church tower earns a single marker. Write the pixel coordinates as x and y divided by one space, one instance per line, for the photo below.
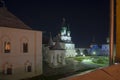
65 32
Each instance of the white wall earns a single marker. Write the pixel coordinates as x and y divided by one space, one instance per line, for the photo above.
16 57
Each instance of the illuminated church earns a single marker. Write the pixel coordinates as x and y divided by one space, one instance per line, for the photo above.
59 48
20 48
66 41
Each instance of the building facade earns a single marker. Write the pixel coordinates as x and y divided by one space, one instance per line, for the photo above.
20 48
54 54
66 40
59 48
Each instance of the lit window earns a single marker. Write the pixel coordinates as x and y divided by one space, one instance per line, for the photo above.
7 47
25 47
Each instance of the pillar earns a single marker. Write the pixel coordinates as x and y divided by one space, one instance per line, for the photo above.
117 57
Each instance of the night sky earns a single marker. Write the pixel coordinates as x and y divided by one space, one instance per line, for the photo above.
86 18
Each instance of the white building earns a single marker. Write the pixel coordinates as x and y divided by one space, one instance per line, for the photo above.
59 48
66 41
20 48
54 55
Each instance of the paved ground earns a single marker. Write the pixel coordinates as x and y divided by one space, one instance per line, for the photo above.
71 67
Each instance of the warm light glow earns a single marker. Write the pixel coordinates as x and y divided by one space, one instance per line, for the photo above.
7 47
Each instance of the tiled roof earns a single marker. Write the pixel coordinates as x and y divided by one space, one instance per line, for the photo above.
7 19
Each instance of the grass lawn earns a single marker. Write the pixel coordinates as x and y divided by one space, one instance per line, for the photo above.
99 60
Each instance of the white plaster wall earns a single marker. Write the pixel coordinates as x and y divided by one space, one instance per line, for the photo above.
70 53
16 57
56 61
67 45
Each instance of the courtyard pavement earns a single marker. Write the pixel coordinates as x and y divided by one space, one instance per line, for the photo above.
72 67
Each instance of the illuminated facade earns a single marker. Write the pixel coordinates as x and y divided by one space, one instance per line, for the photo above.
65 34
58 49
94 49
54 54
20 48
66 41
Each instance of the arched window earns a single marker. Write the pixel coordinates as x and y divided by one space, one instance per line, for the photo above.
8 69
24 45
6 44
28 67
7 47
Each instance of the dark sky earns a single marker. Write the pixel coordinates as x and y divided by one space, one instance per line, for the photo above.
86 18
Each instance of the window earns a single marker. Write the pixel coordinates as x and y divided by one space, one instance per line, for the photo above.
7 47
29 68
9 71
25 47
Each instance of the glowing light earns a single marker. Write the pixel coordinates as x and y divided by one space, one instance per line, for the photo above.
81 53
7 47
87 60
116 63
94 53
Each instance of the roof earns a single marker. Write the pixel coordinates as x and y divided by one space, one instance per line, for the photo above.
7 19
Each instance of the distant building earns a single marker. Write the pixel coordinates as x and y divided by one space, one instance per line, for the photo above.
105 48
20 48
94 49
66 41
54 54
59 48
